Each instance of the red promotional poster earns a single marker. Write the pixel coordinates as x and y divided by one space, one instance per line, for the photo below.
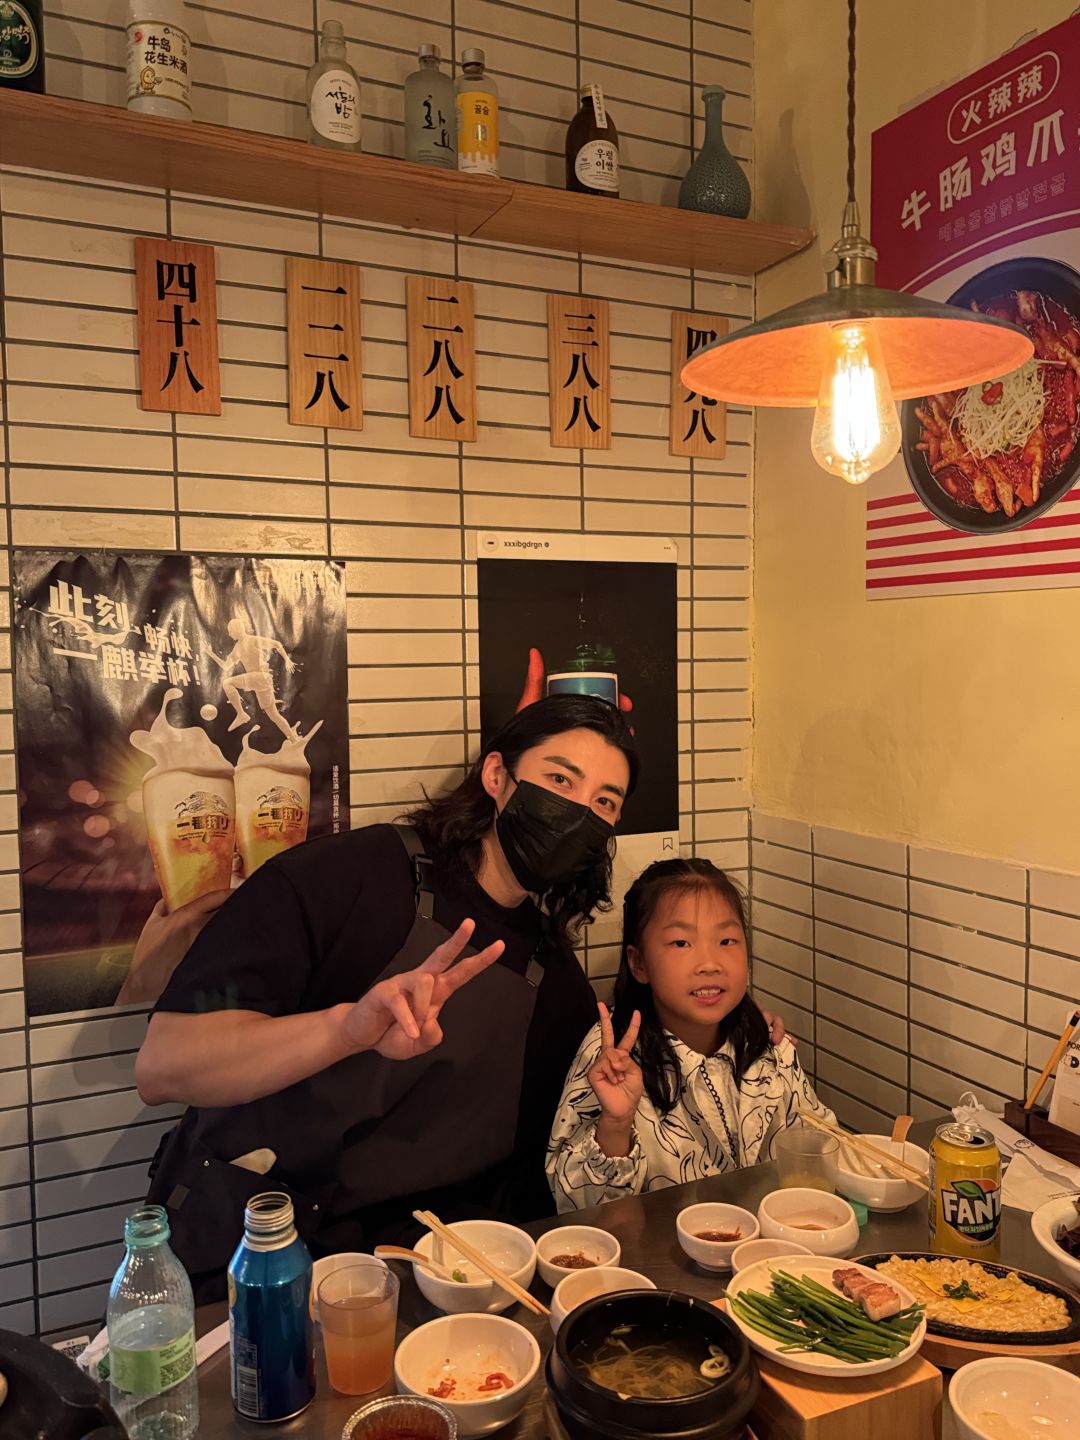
976 201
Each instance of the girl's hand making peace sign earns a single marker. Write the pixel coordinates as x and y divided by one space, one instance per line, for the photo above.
616 1076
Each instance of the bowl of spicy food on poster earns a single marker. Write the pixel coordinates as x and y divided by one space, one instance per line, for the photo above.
995 456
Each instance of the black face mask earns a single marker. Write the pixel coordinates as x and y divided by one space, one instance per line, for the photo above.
547 838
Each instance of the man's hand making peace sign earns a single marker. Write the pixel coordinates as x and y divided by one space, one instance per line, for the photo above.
399 1017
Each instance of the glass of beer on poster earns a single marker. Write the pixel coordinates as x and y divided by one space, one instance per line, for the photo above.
358 1314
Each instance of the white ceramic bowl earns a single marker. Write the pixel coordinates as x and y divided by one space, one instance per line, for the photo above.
584 1285
751 1251
508 1247
472 1344
883 1191
597 1245
1047 1220
713 1254
1030 1394
784 1214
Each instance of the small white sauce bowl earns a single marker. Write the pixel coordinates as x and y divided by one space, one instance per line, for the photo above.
506 1246
589 1240
781 1212
470 1342
751 1251
584 1285
713 1254
1018 1391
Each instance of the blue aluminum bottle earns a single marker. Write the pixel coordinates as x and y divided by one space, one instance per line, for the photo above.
271 1334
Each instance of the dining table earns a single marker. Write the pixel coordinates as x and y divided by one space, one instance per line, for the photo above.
644 1226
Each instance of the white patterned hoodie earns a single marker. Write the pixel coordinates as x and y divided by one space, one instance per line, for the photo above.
715 1125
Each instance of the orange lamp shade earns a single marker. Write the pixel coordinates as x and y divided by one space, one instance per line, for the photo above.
927 348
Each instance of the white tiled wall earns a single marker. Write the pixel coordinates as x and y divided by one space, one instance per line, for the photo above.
84 466
911 975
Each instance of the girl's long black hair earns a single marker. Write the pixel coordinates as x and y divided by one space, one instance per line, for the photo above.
453 826
745 1026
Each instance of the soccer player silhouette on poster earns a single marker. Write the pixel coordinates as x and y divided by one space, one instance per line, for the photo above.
252 654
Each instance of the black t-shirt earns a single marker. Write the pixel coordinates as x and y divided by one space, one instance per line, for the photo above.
315 927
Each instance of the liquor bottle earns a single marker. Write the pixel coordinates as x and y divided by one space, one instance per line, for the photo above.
333 93
477 116
22 46
158 58
592 147
271 1333
151 1323
430 113
591 670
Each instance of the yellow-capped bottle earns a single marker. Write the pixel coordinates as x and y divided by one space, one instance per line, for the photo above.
477 116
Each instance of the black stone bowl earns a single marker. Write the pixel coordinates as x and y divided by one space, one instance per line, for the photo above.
590 1412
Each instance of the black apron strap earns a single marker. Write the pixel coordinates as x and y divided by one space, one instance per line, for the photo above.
423 868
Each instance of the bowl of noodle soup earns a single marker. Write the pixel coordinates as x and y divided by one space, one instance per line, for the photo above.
651 1363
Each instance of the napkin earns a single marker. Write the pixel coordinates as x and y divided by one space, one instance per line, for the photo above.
1032 1175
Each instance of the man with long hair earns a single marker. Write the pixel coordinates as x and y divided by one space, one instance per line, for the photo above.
383 1019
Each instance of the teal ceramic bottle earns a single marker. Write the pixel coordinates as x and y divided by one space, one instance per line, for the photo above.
715 181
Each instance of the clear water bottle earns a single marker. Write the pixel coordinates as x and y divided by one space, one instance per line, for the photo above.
151 1321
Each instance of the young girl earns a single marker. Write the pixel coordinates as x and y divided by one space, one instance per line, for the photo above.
694 1088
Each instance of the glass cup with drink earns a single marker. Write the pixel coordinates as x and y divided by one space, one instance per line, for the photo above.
807 1159
358 1313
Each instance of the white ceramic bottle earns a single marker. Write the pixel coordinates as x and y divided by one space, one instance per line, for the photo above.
333 92
159 58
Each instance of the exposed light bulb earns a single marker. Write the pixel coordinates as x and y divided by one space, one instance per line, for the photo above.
856 427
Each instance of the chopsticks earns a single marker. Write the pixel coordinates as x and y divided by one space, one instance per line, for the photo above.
898 1168
466 1251
1051 1064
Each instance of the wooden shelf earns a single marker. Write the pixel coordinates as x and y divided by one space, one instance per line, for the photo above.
102 142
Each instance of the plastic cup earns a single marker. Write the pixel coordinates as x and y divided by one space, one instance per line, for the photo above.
358 1313
807 1159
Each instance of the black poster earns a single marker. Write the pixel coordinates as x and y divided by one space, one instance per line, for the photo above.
596 626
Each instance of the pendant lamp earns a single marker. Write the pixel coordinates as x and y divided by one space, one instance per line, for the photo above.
857 349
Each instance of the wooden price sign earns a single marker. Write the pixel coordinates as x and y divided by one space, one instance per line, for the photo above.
579 372
442 358
325 367
176 295
698 424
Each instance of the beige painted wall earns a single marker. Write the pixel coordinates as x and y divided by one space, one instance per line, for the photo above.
953 721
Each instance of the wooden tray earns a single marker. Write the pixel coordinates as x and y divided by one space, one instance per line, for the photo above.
905 1402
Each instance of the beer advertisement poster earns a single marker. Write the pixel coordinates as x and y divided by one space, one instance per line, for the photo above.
583 614
180 719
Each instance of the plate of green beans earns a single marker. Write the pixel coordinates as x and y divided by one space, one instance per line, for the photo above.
789 1309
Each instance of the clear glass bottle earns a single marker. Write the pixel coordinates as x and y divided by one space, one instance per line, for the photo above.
430 113
159 58
153 1383
477 116
333 94
22 46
